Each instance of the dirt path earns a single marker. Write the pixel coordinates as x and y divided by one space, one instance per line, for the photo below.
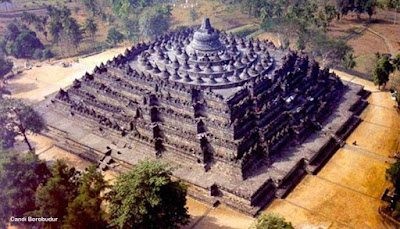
386 40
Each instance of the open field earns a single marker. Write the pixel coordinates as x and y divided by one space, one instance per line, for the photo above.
32 85
224 17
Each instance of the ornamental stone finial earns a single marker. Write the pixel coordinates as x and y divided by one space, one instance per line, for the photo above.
206 25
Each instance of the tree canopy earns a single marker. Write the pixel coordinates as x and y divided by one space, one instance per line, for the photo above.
90 27
271 221
114 37
5 66
64 28
92 6
20 176
147 197
17 118
53 198
124 8
393 175
21 43
85 210
330 51
382 70
153 22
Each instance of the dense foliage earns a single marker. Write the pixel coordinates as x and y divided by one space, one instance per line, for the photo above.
21 42
271 221
147 197
382 70
19 179
306 22
393 175
64 29
258 8
114 37
142 18
90 27
153 22
18 119
5 66
85 210
53 198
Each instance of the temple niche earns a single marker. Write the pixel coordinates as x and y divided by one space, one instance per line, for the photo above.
242 119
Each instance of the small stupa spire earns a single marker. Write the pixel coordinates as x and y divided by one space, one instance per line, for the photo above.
206 25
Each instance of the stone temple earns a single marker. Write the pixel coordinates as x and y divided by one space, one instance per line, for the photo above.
241 119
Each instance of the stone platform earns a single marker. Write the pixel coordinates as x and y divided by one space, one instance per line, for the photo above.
250 195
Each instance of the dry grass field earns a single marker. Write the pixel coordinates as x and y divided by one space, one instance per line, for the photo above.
224 17
364 42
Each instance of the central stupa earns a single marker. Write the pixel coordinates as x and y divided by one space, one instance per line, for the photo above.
205 39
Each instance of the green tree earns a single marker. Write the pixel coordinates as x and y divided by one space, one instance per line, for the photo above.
3 43
153 23
18 119
53 198
47 54
329 50
28 18
359 7
393 175
147 197
393 4
72 33
398 99
382 70
194 15
271 221
12 32
349 61
90 27
343 6
24 45
5 66
370 7
92 6
131 28
38 54
254 7
326 14
300 44
124 8
267 11
85 211
114 37
396 62
63 28
20 177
